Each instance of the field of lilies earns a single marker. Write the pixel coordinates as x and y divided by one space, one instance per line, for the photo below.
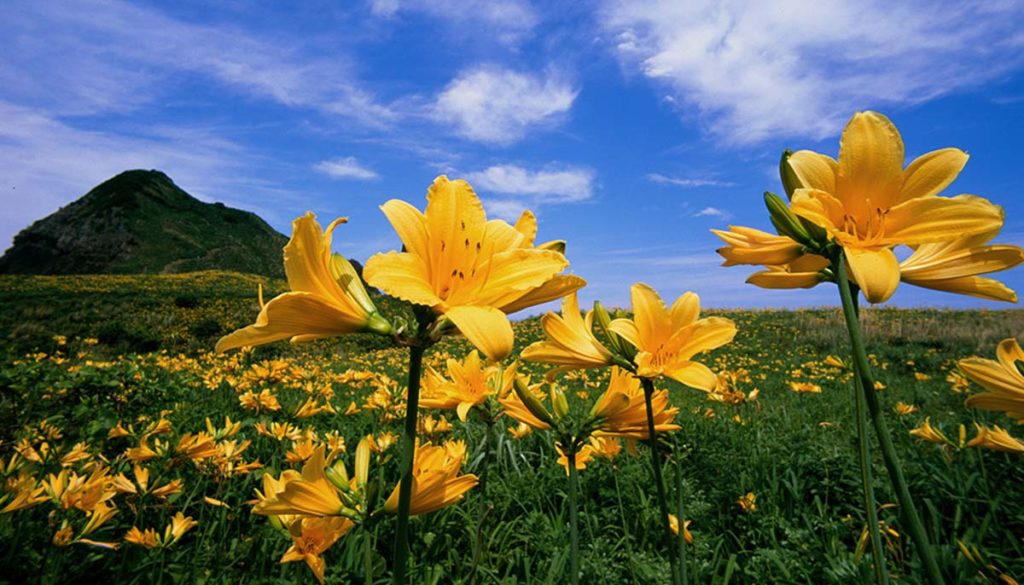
160 429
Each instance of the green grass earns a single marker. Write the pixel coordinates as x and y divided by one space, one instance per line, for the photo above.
796 452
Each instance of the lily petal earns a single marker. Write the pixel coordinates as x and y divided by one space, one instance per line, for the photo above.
650 315
932 219
402 275
695 375
410 225
486 328
814 170
293 314
932 172
556 288
870 162
877 272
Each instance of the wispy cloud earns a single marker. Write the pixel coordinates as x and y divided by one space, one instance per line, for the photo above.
498 106
714 212
45 163
346 168
759 69
111 56
510 188
508 21
687 182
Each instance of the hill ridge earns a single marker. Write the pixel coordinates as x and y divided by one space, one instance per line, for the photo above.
140 221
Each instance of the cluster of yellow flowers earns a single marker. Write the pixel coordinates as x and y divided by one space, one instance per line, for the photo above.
83 493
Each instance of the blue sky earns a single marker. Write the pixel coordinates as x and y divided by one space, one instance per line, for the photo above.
630 127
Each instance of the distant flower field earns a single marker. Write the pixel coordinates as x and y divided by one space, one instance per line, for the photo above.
132 453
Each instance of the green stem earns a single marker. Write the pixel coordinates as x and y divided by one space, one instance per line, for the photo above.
892 463
574 530
368 556
483 504
680 514
625 525
659 481
870 504
867 483
408 454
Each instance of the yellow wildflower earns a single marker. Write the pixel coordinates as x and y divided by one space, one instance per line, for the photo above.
869 203
995 438
1002 380
436 482
471 270
327 297
668 339
570 339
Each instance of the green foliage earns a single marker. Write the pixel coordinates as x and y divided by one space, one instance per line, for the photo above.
795 452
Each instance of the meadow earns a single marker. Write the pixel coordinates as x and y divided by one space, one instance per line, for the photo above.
96 368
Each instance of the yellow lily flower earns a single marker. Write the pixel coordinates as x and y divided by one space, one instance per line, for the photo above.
1002 379
26 493
787 264
673 522
570 339
472 381
327 297
869 203
147 538
954 266
668 339
309 494
180 524
471 270
926 432
583 456
752 246
311 537
622 411
515 408
996 439
436 482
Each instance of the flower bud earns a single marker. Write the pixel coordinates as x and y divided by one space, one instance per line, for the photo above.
790 182
785 221
532 404
558 402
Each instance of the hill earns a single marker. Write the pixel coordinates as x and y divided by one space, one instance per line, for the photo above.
141 222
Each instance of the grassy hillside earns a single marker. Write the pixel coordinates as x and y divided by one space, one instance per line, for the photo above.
794 451
141 222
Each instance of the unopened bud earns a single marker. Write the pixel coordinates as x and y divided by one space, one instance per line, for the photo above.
785 221
532 404
558 402
790 182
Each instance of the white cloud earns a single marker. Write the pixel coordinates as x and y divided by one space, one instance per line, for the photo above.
499 106
510 188
713 212
758 69
45 163
552 186
345 168
507 21
110 56
687 182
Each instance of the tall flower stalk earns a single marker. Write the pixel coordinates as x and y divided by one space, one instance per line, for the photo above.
401 561
657 342
864 377
578 436
463 273
844 221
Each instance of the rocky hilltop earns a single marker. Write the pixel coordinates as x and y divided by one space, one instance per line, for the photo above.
141 222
